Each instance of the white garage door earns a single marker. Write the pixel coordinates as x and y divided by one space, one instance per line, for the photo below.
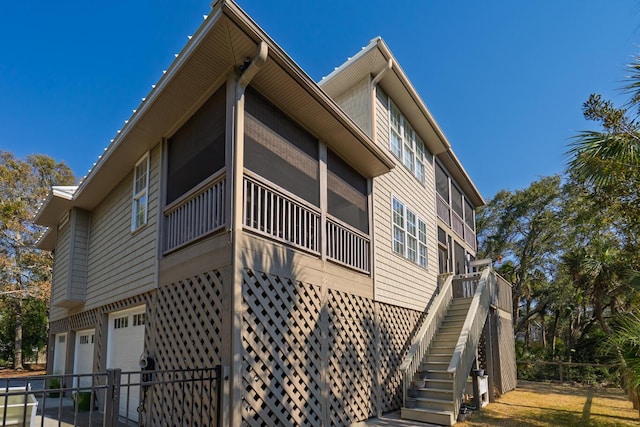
83 357
124 347
60 353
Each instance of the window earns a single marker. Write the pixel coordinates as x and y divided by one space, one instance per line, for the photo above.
61 338
138 319
405 143
120 322
409 234
140 193
84 339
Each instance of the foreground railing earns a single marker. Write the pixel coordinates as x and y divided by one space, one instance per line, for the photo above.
465 351
411 363
348 246
504 298
198 213
113 398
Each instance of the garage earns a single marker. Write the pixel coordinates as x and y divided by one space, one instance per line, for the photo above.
83 357
125 344
60 353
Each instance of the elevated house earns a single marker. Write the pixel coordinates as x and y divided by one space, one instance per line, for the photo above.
317 240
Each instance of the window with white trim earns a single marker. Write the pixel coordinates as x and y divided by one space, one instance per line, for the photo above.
409 234
140 193
405 143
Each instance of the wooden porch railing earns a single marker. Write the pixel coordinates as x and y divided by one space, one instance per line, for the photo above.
348 246
423 338
199 212
465 351
280 217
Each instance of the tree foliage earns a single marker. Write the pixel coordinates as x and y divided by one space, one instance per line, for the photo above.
25 272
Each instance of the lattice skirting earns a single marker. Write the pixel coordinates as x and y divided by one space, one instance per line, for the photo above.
318 359
184 331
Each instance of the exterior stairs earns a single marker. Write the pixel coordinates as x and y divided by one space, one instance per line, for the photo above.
430 397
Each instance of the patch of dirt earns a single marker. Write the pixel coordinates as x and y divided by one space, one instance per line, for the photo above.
12 373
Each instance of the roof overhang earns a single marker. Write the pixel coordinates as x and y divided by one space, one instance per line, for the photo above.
370 61
222 43
58 202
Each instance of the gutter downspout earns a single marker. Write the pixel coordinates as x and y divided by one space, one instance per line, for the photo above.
374 83
236 86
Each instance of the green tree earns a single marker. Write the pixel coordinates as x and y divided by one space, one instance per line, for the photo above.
524 228
25 271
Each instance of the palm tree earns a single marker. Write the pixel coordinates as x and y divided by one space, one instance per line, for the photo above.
612 155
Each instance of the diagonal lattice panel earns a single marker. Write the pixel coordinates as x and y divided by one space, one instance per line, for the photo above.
397 327
185 327
352 358
282 363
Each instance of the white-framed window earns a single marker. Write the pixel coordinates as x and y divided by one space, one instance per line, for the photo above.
140 193
121 322
409 234
138 319
405 143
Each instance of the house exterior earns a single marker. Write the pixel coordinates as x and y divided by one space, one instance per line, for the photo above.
294 232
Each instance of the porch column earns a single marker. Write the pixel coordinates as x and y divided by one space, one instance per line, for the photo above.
236 85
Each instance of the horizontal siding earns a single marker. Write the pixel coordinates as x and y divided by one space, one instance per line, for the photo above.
356 102
399 281
60 275
78 288
121 263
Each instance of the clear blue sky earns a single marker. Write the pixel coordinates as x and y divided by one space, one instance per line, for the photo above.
504 79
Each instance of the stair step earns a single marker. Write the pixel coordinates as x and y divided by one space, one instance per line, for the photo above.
437 366
444 418
437 374
437 357
436 384
434 393
437 404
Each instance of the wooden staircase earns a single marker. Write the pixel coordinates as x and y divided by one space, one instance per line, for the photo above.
430 397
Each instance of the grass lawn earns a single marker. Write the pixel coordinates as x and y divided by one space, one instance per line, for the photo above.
546 404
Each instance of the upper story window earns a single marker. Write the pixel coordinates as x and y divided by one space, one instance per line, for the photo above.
405 143
140 193
409 234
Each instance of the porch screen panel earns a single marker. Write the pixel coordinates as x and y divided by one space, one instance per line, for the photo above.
468 214
456 200
279 150
442 183
196 150
346 193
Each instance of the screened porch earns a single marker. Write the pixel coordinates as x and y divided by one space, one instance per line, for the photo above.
296 190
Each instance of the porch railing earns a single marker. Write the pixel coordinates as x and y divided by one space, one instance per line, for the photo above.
280 217
465 350
273 213
348 246
423 338
196 214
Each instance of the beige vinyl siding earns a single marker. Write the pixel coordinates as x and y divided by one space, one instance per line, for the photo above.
78 271
356 102
399 281
122 263
60 272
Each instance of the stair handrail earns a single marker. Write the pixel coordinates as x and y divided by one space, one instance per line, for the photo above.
470 335
423 338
